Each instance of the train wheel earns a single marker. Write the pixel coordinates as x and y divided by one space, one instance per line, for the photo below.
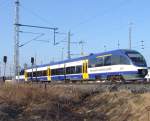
112 78
109 79
67 80
98 78
121 79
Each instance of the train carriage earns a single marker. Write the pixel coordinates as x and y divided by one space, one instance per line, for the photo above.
116 65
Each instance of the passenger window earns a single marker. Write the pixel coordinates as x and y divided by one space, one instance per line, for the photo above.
92 62
99 62
115 60
22 72
29 74
53 71
119 60
78 69
124 60
70 70
107 60
34 74
60 71
38 73
44 73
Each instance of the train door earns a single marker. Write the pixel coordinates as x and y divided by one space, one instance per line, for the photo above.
25 75
85 74
49 74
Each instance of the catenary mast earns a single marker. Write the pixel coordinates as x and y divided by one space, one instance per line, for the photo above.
16 39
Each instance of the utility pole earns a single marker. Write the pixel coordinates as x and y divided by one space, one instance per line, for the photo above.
5 61
130 35
16 40
32 62
142 45
82 45
105 48
10 68
118 44
36 65
69 55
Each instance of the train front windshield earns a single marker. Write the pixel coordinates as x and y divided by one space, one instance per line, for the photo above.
136 58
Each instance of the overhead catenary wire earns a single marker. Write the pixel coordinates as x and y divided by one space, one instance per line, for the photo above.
42 40
35 38
94 17
46 41
28 32
41 19
31 12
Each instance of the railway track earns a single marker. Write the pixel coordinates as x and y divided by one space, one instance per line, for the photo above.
136 87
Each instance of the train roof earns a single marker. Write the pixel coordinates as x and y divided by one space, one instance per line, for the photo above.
86 57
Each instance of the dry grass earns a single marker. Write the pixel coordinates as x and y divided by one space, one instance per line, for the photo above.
65 103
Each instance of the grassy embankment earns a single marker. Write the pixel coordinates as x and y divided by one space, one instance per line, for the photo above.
62 103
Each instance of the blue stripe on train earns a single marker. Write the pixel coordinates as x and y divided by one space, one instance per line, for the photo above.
63 77
104 75
42 78
79 76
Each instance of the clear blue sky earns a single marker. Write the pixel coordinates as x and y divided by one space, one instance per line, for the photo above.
97 22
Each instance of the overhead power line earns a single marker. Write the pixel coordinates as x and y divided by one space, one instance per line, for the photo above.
26 32
92 18
31 40
33 13
36 39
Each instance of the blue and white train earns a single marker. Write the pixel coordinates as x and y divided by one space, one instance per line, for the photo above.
116 65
